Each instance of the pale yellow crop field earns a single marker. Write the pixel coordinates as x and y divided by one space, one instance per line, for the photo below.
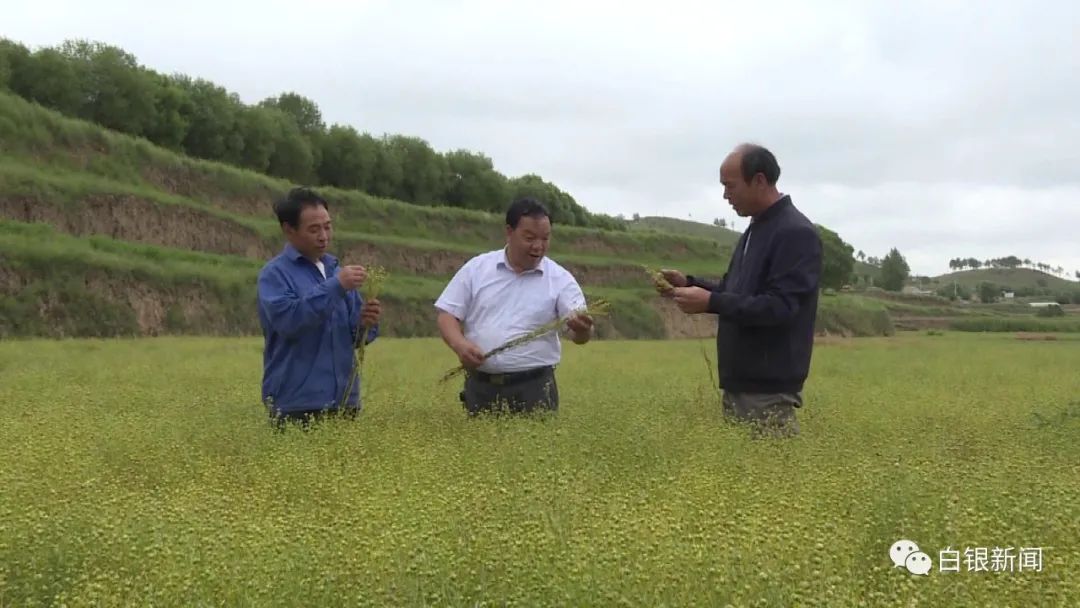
144 473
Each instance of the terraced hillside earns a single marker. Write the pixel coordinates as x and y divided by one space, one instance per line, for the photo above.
103 234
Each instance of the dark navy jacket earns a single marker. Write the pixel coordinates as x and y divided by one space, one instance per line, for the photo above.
309 325
766 303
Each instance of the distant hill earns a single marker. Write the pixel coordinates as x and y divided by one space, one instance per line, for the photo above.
672 225
1008 278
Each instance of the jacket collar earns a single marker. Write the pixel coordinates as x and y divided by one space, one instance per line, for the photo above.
294 254
781 203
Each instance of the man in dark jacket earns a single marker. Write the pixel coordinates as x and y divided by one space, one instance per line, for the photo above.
766 303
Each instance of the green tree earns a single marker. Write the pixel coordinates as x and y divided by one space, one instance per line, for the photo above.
47 79
474 183
988 292
308 118
303 111
214 113
389 171
174 109
260 129
13 61
894 271
114 90
292 158
349 159
424 171
837 259
563 208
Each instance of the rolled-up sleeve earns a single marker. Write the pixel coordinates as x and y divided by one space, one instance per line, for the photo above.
570 296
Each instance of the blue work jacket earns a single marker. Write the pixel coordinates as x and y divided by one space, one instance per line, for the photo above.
309 327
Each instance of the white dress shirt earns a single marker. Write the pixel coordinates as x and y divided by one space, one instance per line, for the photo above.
496 304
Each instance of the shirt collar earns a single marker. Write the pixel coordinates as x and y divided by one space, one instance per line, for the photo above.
504 262
783 201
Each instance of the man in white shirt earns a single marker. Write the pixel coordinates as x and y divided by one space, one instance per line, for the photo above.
501 295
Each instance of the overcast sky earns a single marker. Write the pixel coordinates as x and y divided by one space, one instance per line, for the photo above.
948 129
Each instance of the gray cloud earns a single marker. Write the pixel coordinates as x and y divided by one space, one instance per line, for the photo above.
943 129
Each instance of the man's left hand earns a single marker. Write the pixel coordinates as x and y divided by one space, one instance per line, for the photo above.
692 300
369 313
579 323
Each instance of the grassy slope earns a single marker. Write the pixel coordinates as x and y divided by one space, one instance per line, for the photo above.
84 273
671 225
66 286
47 186
1011 278
38 137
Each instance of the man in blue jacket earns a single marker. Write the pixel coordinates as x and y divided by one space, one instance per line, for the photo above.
766 303
310 314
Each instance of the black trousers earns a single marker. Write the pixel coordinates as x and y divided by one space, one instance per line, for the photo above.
511 393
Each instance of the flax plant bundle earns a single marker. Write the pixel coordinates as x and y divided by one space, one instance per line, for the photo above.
370 290
600 307
659 282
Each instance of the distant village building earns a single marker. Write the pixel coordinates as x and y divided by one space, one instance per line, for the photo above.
1008 295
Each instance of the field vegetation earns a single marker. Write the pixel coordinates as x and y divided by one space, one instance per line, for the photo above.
143 472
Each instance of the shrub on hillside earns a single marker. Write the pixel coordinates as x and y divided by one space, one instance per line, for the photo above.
1050 311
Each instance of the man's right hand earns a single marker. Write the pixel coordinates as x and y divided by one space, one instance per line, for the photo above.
352 277
676 278
469 354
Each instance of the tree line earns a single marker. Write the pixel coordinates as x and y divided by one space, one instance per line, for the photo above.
283 136
1010 261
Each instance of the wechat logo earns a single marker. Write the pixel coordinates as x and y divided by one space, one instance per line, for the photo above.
906 554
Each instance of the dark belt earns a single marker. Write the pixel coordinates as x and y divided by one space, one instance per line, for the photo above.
511 378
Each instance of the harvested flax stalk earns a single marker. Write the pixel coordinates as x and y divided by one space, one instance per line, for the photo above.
598 308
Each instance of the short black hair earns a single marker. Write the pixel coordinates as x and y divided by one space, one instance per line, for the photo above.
525 206
288 207
757 159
